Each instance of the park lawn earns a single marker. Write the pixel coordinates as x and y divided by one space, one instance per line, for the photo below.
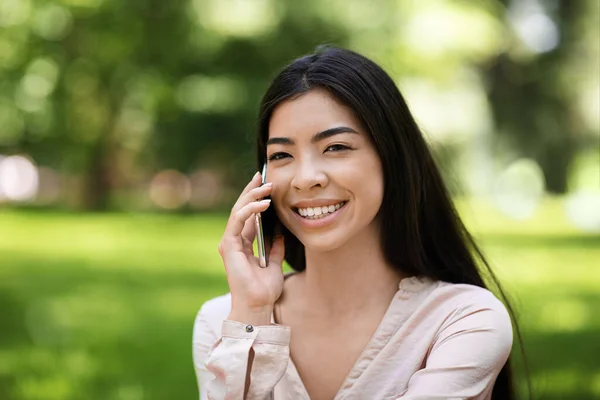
101 306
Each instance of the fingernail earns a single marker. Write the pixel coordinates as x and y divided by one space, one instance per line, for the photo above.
256 174
268 184
266 201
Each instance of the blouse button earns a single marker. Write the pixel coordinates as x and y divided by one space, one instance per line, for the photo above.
249 328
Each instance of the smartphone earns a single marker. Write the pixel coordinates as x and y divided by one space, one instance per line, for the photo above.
260 237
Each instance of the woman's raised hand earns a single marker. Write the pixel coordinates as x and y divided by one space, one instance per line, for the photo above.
254 290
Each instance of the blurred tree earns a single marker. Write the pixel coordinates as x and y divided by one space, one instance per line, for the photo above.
111 91
532 94
95 57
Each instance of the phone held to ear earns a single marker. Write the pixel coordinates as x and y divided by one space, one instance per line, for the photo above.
262 254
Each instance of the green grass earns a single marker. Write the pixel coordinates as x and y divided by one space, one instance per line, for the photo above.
101 306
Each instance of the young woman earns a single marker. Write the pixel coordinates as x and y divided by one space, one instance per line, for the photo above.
386 300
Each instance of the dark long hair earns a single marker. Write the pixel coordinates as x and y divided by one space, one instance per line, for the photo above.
422 233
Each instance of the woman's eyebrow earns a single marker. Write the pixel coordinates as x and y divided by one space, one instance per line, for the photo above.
316 138
331 132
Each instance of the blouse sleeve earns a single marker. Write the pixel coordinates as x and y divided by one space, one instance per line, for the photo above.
245 362
467 354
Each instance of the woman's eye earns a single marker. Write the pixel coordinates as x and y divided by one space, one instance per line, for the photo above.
278 156
337 147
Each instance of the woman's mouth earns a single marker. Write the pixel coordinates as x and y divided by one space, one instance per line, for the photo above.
319 212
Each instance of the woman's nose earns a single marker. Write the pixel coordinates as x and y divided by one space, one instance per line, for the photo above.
308 174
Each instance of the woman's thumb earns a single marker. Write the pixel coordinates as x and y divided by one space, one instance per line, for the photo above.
277 251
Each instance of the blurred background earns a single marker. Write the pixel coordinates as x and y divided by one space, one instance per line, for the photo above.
127 131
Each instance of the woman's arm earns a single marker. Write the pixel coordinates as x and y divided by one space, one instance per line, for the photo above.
248 358
467 354
246 362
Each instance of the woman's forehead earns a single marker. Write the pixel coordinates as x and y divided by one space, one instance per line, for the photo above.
312 112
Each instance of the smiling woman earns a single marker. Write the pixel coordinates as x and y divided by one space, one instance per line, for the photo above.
386 300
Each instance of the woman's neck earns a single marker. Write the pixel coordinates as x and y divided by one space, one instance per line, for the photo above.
348 280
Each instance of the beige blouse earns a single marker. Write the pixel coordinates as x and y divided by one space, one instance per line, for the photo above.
437 340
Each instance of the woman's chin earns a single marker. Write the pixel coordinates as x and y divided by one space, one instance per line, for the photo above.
322 243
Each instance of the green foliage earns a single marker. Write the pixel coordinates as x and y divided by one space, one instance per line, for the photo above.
109 92
101 306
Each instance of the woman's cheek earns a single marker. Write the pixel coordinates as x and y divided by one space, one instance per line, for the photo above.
276 200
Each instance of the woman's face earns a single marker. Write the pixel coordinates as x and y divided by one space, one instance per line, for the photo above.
326 174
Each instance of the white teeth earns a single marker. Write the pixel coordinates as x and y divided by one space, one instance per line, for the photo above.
319 212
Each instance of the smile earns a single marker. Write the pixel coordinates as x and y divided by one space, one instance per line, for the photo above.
319 212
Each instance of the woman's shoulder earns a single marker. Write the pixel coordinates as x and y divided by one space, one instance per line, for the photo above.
426 290
469 304
467 296
450 302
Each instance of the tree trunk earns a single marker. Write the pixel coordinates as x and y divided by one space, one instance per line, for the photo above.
97 184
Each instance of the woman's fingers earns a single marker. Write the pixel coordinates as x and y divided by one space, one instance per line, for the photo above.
254 182
253 194
240 230
248 235
238 218
249 230
277 253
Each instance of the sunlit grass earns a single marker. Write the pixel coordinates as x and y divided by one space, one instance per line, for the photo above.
101 306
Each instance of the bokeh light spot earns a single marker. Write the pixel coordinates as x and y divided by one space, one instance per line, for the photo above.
207 189
519 189
40 79
204 94
52 22
238 18
14 12
170 189
533 26
19 179
583 210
